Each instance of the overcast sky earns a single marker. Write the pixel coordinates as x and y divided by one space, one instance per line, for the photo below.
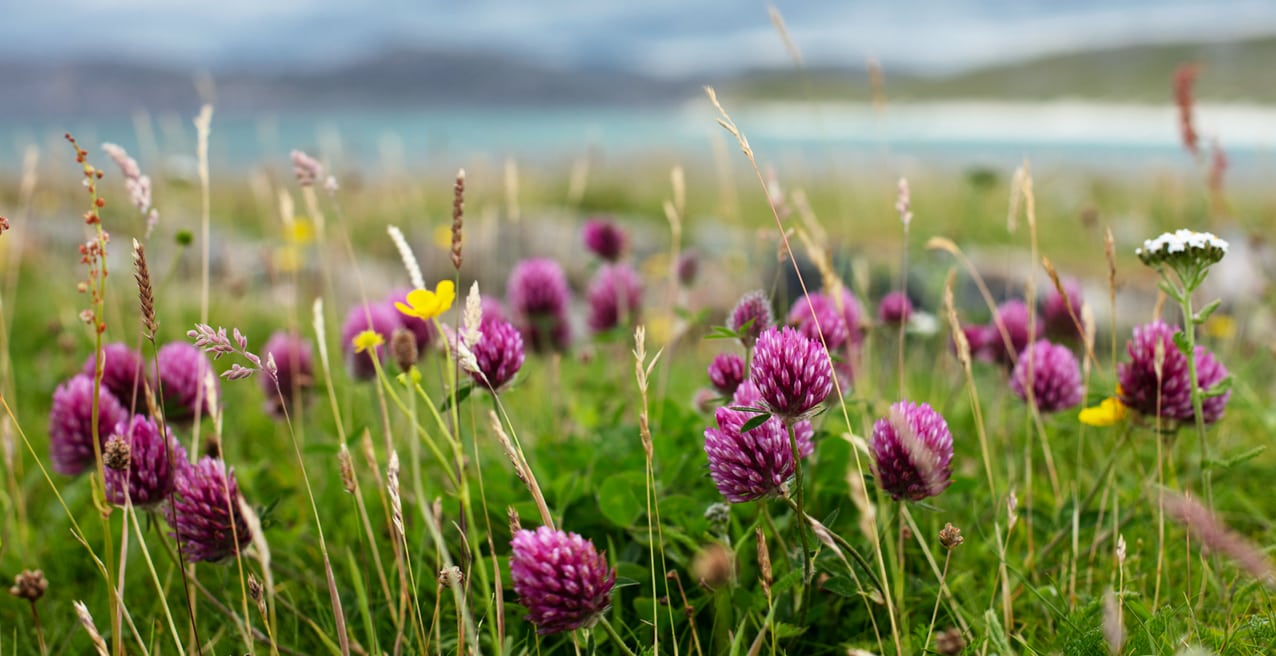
661 37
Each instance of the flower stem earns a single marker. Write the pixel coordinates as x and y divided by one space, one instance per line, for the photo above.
808 567
615 637
1198 401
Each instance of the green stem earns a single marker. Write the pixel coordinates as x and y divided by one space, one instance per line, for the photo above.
808 567
1198 395
615 637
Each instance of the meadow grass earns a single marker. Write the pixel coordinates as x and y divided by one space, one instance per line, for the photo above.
384 509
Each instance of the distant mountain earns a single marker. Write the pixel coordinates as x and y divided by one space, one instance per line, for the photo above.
408 79
1234 70
400 79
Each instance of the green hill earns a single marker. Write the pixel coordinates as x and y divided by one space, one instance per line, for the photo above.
1235 70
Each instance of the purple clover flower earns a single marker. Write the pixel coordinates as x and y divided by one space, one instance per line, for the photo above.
1013 317
122 374
538 299
205 513
840 327
791 372
604 238
615 297
498 353
71 428
894 309
153 464
1054 310
560 578
294 367
912 452
747 396
751 316
726 372
183 372
1138 379
1055 378
748 465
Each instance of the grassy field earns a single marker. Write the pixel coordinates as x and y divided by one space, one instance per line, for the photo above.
1077 539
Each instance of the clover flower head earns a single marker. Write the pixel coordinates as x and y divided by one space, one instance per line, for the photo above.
183 374
122 373
791 371
604 238
840 322
894 309
70 424
538 300
615 297
1138 378
912 452
562 580
726 372
750 316
1052 372
204 515
153 462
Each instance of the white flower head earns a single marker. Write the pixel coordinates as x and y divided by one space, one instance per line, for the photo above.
1182 246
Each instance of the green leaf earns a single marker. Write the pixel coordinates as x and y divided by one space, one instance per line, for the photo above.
1180 340
1220 388
461 394
997 634
621 498
1204 314
755 422
721 332
1240 458
783 630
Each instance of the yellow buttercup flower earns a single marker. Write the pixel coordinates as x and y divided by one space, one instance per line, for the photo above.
367 339
425 304
1108 412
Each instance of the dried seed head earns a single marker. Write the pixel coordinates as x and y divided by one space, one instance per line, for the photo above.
403 346
950 642
346 462
450 576
29 585
950 536
86 620
254 587
764 561
117 453
516 524
713 566
458 216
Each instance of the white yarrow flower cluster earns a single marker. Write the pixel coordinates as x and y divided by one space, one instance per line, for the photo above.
1202 246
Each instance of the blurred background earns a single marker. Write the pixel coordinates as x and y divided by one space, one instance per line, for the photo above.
384 85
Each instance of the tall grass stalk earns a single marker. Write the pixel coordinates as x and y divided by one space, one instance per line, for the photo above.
729 125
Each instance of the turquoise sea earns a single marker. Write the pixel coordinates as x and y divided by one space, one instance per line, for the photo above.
1122 139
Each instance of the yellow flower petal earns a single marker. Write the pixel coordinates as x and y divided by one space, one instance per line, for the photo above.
1107 413
366 340
425 304
446 293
